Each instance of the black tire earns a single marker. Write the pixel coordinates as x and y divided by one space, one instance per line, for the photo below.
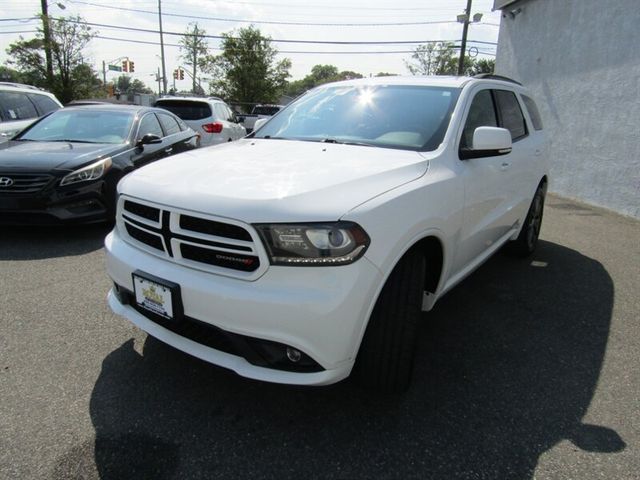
386 355
527 241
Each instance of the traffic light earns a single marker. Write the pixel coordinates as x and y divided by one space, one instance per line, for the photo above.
125 65
132 67
175 74
181 74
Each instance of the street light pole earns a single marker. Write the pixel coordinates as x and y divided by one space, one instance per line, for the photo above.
164 71
47 41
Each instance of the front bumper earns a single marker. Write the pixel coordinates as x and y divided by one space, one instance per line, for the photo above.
80 204
321 311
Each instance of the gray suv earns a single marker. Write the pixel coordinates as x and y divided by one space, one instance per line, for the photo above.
20 105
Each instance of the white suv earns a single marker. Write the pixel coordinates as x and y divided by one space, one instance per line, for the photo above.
307 250
210 117
21 105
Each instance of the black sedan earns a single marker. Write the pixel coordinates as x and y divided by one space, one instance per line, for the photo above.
64 168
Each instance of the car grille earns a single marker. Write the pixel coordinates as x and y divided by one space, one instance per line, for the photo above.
213 245
24 182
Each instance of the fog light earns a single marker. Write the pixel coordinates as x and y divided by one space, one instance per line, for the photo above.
293 354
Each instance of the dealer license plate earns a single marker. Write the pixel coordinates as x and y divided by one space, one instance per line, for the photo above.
154 296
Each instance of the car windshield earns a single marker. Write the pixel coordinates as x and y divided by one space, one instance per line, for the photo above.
391 116
265 110
84 125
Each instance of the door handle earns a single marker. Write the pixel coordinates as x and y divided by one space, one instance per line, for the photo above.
538 152
168 150
505 165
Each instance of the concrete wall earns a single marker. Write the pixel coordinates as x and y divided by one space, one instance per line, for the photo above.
581 60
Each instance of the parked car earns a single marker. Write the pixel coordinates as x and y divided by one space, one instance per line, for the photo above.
20 105
307 250
210 117
65 167
259 112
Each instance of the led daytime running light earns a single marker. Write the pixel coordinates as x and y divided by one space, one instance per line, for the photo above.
90 172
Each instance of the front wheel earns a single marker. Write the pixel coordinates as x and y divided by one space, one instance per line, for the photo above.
385 359
527 241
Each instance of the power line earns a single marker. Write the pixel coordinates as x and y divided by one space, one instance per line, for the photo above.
269 22
343 7
220 37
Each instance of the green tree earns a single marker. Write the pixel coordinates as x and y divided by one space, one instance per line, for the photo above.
128 86
86 83
481 65
194 48
69 38
433 59
319 75
247 70
10 75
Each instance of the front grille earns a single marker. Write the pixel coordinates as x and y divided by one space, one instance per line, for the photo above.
144 211
24 182
246 263
204 243
211 227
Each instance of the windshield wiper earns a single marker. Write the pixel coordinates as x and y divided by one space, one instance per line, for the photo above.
269 137
72 141
346 142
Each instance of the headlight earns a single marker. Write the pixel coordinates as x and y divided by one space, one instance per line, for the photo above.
90 172
311 244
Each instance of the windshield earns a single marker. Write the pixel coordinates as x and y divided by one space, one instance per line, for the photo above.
84 125
392 116
265 110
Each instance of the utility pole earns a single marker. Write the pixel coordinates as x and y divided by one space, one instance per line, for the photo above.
158 77
463 45
47 41
164 71
104 73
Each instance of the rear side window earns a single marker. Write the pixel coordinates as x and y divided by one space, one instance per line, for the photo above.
149 124
17 106
265 110
169 124
221 113
44 103
185 109
482 113
534 113
511 114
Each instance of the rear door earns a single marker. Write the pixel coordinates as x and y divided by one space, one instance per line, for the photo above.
176 140
519 176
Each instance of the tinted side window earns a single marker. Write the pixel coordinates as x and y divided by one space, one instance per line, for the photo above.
510 114
221 114
16 106
482 113
169 125
149 124
44 103
534 113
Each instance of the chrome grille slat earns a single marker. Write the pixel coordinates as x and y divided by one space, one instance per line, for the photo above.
25 182
200 242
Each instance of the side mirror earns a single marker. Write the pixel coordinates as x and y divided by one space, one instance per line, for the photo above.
488 142
259 123
148 139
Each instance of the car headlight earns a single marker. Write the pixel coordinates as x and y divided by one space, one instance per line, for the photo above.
312 244
90 172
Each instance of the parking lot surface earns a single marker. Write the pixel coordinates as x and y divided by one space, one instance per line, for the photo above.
527 369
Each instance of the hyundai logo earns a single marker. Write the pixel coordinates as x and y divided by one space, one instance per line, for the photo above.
5 182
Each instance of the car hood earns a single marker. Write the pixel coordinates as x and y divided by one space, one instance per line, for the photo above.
45 156
275 180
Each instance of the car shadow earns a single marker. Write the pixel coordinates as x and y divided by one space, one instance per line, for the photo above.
507 366
37 243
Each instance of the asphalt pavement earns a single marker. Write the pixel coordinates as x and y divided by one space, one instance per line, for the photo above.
528 369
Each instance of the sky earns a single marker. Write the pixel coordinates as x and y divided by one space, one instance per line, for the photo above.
312 20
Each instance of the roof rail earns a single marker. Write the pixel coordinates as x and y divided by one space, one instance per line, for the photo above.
491 76
19 85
